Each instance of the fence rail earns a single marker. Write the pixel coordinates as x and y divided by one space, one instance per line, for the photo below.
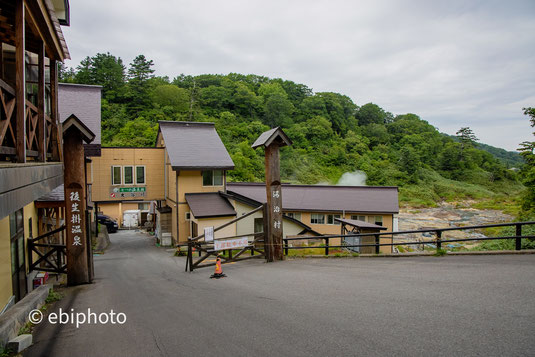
437 231
52 254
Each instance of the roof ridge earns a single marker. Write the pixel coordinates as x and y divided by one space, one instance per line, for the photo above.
186 123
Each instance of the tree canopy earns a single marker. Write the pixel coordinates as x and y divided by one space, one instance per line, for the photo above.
331 134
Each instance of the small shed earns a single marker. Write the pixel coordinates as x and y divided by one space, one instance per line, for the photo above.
352 226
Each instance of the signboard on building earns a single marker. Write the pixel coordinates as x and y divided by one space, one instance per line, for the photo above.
127 192
231 243
208 234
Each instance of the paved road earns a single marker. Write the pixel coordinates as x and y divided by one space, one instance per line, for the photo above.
456 305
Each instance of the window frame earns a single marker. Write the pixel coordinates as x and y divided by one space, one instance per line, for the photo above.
212 178
113 175
334 223
124 175
294 215
144 175
318 215
358 219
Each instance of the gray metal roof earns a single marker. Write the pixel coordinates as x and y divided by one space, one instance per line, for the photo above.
267 137
56 195
209 204
360 224
366 199
82 101
194 145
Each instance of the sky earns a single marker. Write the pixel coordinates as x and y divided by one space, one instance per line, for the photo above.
454 63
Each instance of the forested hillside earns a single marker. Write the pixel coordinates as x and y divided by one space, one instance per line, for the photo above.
332 135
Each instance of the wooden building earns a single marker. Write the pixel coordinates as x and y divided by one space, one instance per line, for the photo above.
31 165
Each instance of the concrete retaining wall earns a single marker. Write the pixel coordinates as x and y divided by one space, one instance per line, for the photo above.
15 317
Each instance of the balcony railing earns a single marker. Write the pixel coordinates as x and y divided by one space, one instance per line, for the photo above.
40 138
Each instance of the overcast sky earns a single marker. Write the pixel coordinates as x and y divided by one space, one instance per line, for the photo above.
454 63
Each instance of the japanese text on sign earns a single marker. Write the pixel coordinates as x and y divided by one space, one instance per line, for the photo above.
75 223
231 243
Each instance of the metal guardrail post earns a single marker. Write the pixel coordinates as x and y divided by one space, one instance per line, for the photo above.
285 247
326 246
377 246
439 240
518 242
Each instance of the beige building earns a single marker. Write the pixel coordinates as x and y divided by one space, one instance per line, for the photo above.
185 175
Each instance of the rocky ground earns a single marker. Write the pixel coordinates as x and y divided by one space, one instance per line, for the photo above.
447 215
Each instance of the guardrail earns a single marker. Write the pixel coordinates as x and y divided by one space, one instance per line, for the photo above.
437 231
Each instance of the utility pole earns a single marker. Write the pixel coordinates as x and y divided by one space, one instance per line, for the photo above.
272 140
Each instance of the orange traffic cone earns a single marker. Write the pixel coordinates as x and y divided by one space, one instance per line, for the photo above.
218 270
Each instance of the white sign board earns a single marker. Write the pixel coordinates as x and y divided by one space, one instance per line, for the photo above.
230 243
208 234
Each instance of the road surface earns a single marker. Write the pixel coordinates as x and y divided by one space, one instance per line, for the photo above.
419 306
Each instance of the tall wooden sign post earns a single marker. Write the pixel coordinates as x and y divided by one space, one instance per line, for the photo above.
272 140
77 244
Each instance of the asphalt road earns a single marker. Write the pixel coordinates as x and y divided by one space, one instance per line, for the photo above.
420 306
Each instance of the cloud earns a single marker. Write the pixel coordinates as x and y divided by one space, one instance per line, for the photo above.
455 63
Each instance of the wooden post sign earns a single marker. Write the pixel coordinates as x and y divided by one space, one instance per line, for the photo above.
77 244
272 140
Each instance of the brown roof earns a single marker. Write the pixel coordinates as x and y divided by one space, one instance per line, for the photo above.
360 224
193 146
209 204
370 199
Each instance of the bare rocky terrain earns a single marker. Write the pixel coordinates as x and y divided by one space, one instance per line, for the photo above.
447 215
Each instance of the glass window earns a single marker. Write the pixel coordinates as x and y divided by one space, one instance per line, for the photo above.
116 175
359 218
258 225
294 215
331 217
218 177
212 178
128 175
143 206
316 218
379 220
207 178
140 175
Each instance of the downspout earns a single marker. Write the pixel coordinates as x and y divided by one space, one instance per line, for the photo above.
177 207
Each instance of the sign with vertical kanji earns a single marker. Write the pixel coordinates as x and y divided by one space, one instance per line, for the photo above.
74 223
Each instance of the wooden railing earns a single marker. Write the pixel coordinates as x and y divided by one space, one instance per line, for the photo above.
437 242
35 131
52 256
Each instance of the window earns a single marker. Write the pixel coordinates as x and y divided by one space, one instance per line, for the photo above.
258 225
212 178
294 215
317 218
128 175
378 220
359 218
140 175
188 216
116 175
143 206
331 217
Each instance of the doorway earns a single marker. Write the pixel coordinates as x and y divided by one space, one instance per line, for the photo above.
18 255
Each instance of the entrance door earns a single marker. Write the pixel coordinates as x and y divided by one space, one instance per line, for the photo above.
18 254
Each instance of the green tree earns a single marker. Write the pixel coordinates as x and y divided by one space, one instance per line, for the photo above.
527 150
105 70
372 114
139 73
467 139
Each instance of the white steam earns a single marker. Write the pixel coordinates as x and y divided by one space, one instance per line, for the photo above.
355 178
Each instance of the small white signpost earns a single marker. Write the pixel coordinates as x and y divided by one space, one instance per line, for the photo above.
208 234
